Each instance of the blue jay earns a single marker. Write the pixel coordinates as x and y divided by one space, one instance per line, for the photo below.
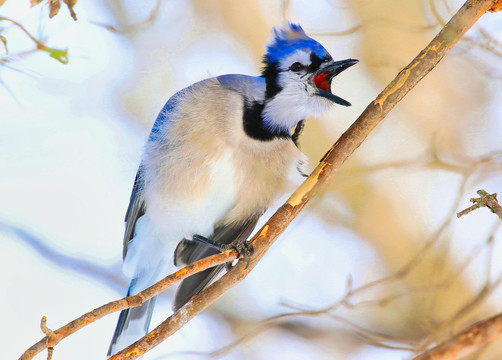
217 156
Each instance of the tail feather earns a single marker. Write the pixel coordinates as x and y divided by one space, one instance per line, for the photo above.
132 325
188 251
194 285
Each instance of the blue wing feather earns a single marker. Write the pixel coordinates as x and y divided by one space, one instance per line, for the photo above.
160 123
251 87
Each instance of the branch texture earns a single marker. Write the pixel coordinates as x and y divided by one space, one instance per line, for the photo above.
485 199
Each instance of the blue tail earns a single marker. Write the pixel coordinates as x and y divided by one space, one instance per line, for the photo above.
132 325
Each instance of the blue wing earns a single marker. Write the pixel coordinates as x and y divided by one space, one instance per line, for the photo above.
251 87
137 206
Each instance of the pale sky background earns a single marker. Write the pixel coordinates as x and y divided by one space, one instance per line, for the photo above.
70 142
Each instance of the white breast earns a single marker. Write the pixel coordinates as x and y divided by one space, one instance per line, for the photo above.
178 212
221 193
174 215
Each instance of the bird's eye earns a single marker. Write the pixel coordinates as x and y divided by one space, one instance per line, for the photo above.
296 67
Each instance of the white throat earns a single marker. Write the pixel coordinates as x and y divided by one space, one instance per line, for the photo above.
291 105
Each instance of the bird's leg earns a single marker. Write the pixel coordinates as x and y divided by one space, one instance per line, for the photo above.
205 241
243 247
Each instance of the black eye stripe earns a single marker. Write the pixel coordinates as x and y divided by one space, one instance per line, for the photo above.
315 62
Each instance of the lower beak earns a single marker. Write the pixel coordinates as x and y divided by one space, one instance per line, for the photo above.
322 79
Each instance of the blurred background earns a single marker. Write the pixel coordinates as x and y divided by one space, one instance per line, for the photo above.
377 267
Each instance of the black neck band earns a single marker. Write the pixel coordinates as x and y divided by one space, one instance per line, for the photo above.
255 127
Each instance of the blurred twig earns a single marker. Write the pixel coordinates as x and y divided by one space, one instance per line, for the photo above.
133 27
375 23
76 264
488 287
466 341
285 5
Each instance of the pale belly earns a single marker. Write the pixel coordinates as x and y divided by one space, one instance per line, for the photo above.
183 213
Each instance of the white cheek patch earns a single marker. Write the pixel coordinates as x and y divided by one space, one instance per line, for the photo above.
292 104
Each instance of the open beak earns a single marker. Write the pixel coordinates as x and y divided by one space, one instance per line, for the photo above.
321 80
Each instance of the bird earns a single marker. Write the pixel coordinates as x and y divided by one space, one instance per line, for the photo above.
217 156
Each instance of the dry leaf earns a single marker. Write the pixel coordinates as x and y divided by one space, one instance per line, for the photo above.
71 4
54 6
1 2
35 2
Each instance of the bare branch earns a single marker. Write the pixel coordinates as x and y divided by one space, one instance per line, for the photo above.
485 199
54 337
466 341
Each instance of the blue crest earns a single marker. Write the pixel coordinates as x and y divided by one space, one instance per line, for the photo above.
289 38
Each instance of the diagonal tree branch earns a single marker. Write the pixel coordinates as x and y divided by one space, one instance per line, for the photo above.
428 58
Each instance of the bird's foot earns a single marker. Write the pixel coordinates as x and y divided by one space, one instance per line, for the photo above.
244 248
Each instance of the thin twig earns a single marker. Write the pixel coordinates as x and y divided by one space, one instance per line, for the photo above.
49 333
58 54
23 29
45 329
485 199
133 27
52 338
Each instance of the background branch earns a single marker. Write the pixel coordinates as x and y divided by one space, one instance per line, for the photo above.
466 341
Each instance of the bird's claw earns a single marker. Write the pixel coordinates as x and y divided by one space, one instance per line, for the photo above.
244 248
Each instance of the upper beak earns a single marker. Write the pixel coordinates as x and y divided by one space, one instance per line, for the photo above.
321 80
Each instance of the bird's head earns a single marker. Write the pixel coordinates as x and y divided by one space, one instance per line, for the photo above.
298 73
